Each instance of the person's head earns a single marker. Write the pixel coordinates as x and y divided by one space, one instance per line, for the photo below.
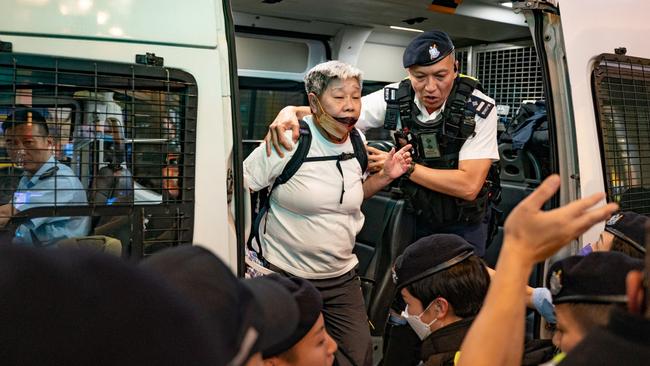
27 139
310 344
441 282
637 285
77 307
334 92
625 233
248 314
431 65
585 289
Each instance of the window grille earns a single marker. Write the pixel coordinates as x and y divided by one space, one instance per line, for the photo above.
510 76
121 140
462 56
622 98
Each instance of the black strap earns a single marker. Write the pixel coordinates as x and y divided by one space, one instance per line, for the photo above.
339 159
401 105
456 125
304 144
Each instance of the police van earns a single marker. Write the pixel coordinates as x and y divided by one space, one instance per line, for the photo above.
155 104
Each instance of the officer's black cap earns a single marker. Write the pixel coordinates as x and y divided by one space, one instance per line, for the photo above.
428 256
427 49
630 227
596 278
310 304
233 306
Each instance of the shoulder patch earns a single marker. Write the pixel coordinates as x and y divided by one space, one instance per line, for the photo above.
390 94
479 106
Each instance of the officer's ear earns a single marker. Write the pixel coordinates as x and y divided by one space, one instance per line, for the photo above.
441 306
456 66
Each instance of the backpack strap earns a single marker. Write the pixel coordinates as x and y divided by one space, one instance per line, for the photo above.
359 149
304 143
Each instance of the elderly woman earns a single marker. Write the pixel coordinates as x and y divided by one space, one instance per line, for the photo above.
314 217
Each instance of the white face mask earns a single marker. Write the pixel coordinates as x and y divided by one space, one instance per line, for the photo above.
422 329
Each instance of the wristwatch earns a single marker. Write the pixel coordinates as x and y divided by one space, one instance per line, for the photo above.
411 169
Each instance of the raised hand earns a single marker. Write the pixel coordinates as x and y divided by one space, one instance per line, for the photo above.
397 163
538 234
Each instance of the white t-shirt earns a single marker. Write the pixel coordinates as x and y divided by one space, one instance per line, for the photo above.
483 145
308 232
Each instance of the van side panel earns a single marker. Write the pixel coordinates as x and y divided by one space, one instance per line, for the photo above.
214 136
155 21
590 29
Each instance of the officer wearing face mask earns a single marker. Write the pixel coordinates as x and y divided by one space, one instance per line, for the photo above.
443 284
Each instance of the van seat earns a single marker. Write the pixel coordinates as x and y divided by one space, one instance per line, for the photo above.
387 230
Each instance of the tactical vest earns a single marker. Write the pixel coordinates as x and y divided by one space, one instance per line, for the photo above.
437 144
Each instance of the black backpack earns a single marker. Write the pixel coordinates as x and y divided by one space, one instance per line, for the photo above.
296 161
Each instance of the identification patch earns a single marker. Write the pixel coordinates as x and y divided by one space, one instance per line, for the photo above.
479 106
430 147
390 94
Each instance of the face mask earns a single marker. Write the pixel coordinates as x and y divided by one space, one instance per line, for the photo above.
337 127
422 329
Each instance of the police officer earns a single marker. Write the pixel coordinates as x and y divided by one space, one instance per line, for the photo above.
585 289
453 127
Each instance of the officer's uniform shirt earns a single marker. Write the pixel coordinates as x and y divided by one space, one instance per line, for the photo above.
483 145
54 184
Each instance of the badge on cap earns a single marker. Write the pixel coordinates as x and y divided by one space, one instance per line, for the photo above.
433 52
614 219
555 282
394 274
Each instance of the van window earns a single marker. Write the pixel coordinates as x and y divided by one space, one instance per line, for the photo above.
123 144
622 97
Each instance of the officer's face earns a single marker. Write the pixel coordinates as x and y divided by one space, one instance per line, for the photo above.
27 143
433 83
316 348
568 332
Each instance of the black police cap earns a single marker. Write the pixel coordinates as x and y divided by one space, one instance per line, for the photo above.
428 256
427 49
310 304
596 278
233 306
22 116
630 227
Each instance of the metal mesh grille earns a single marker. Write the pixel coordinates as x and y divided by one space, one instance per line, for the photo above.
462 56
510 76
116 158
622 88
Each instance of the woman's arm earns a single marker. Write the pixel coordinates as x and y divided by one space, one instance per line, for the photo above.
396 164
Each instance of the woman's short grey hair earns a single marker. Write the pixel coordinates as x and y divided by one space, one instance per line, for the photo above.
319 77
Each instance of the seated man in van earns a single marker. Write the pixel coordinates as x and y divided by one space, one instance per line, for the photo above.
45 182
585 290
443 284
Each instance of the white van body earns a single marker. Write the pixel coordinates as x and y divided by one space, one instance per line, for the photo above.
190 38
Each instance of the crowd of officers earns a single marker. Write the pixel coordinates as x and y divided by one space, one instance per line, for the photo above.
303 304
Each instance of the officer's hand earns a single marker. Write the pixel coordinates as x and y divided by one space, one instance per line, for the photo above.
397 163
287 119
376 159
536 235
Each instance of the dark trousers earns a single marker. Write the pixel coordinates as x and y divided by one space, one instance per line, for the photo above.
476 234
345 317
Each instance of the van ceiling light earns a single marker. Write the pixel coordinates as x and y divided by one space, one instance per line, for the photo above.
507 4
412 21
271 1
406 29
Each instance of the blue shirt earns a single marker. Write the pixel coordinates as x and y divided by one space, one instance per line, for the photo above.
54 184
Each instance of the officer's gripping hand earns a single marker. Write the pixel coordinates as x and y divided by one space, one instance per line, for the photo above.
376 159
397 163
536 235
287 119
